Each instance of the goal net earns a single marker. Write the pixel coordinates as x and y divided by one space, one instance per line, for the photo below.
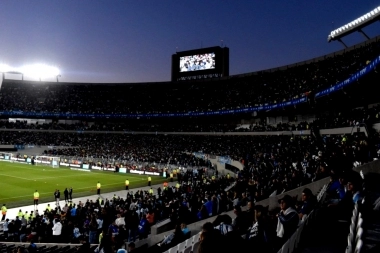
4 156
52 161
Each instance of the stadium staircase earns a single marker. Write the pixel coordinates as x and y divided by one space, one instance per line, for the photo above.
294 244
360 234
315 236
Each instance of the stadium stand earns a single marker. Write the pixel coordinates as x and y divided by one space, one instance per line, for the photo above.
267 204
342 118
234 92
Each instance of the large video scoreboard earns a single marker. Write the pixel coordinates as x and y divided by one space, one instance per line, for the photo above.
211 62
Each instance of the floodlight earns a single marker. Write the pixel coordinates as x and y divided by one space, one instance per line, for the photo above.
39 70
355 25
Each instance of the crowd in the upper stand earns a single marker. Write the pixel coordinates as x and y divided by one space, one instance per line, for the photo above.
343 118
235 92
120 126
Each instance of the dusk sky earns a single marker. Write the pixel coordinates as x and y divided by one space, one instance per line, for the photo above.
133 40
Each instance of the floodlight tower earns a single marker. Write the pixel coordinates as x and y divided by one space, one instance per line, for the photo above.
6 69
13 72
355 26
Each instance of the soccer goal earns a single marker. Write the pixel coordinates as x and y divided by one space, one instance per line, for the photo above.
4 156
52 161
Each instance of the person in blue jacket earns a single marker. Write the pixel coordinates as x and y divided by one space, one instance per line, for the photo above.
143 228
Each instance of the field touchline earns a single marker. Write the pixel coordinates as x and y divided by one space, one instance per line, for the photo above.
30 195
63 176
17 177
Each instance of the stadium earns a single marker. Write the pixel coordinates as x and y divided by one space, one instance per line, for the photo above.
278 160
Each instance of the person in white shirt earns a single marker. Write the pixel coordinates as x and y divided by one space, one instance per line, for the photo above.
99 220
57 230
76 232
120 220
5 228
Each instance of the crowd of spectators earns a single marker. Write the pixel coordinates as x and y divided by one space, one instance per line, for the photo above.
120 126
343 118
275 163
272 164
235 92
260 229
111 222
126 217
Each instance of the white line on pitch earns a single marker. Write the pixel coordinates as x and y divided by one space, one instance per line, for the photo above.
16 177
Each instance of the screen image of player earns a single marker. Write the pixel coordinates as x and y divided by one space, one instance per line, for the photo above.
197 62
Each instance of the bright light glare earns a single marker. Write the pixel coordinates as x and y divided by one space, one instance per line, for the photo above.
34 70
5 68
39 70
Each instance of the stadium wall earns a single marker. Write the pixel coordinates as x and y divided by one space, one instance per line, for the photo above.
369 168
7 146
342 130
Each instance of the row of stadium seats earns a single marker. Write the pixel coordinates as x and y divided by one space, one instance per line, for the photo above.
191 245
188 246
354 238
293 244
364 226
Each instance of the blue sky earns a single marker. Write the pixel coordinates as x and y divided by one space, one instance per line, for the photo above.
132 41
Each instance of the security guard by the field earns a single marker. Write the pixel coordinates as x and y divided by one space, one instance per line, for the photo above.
98 186
149 181
36 197
3 212
20 214
26 215
171 177
127 184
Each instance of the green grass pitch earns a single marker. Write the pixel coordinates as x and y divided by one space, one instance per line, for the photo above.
19 181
